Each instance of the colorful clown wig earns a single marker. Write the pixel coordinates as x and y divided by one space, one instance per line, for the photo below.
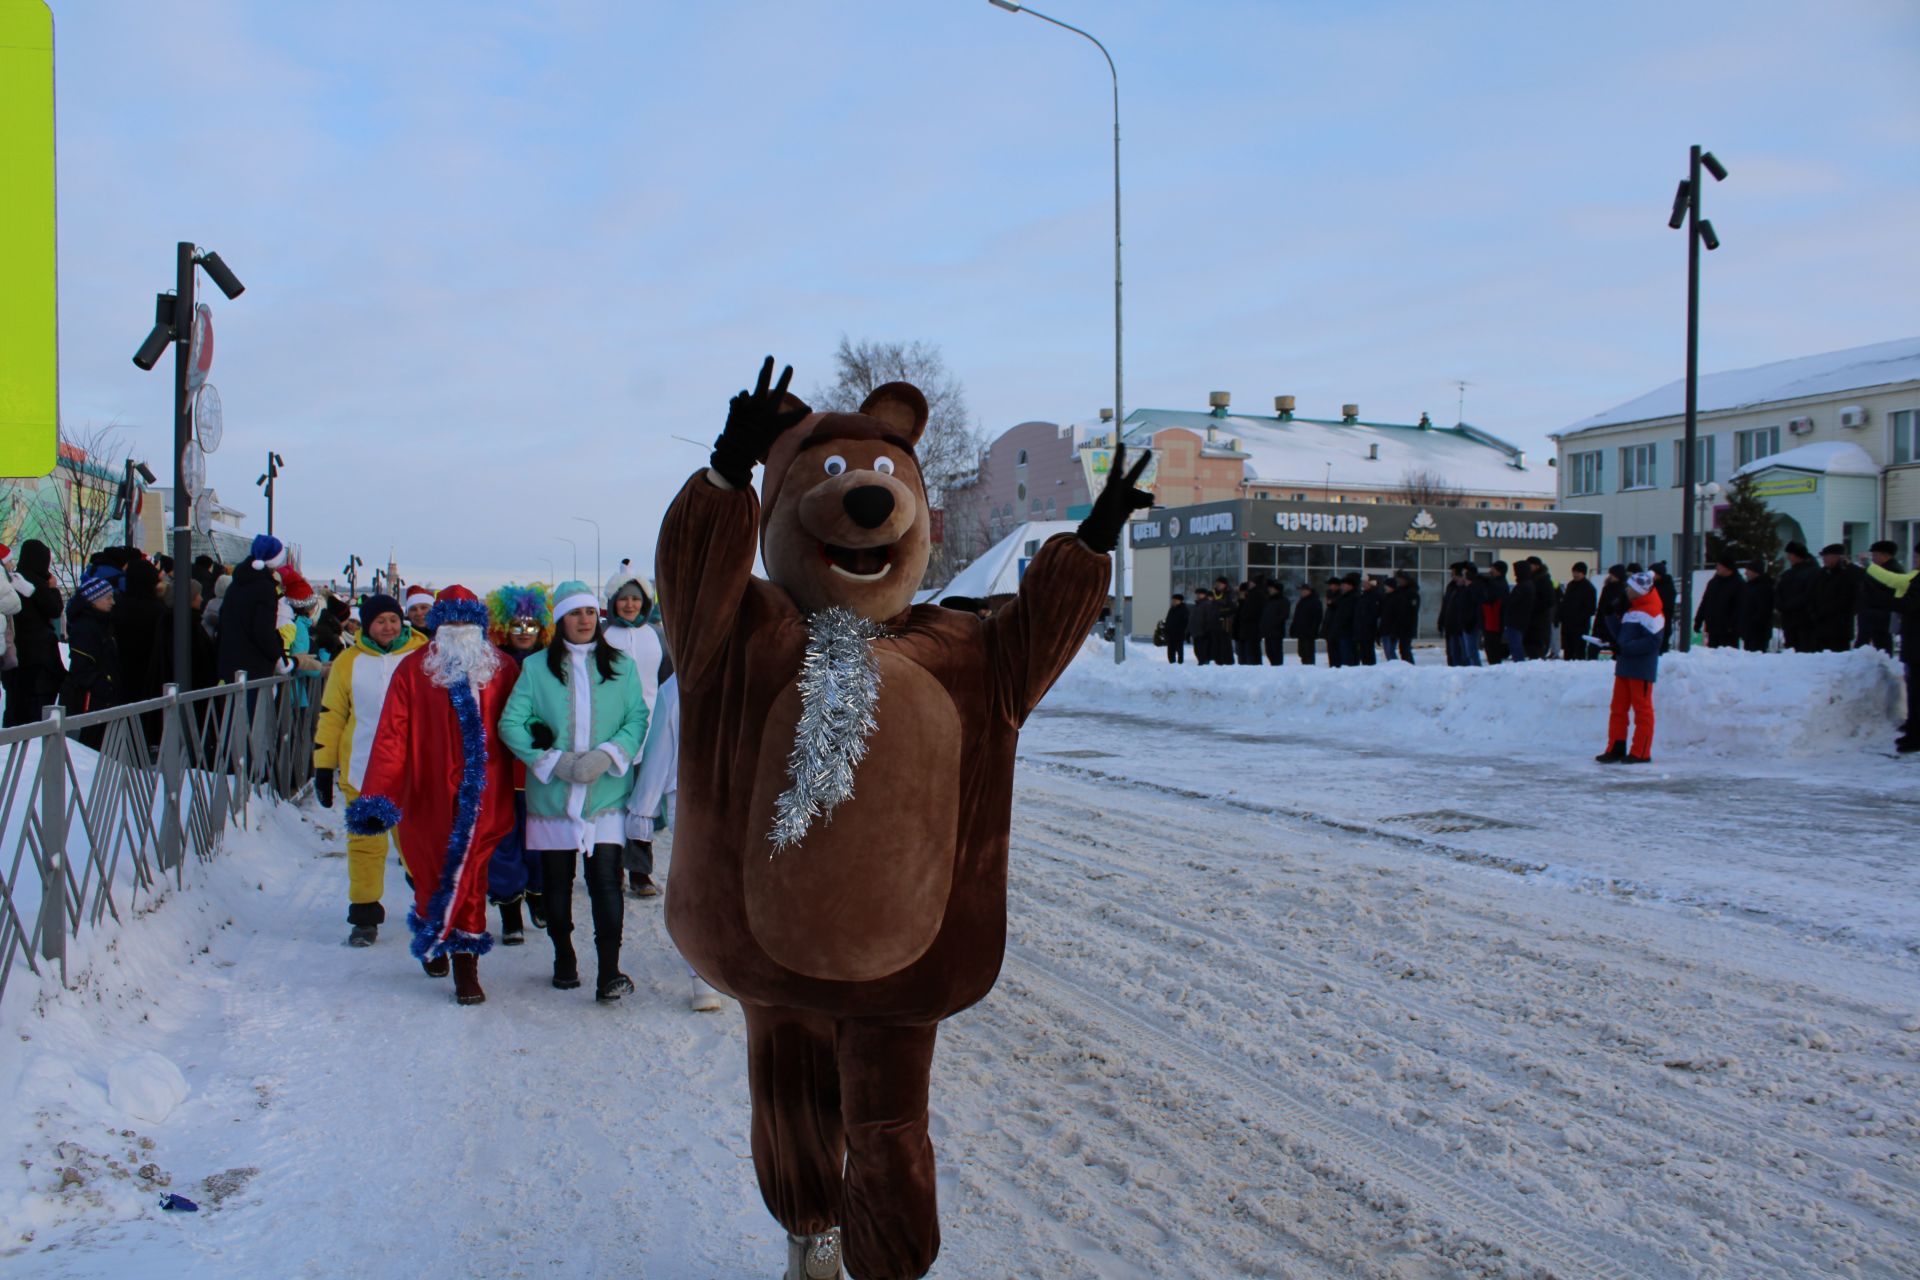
515 603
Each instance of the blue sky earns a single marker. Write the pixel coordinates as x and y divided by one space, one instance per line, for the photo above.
498 255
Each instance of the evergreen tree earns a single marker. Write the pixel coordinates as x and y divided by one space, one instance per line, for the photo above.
1747 529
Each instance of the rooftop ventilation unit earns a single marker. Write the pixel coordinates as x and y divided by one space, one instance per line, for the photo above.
1283 406
1350 413
1373 453
1218 401
1106 415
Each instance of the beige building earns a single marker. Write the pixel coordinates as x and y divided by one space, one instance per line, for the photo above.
1833 441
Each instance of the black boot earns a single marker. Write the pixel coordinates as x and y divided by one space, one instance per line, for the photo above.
466 979
609 914
436 967
612 986
511 932
536 911
1614 754
363 935
556 867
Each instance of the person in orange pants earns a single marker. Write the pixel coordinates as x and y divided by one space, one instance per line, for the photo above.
1636 665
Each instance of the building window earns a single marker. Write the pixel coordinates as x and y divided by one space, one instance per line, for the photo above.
1020 459
1904 533
1484 506
1519 506
1583 473
1637 550
1906 437
1299 497
1636 466
1749 446
1702 460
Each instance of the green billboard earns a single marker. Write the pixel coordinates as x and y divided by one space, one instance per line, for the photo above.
29 347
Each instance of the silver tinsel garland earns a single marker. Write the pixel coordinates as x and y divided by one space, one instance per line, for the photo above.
839 690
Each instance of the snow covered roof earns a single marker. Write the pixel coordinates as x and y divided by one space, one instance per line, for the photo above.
997 571
1297 451
1854 369
1834 458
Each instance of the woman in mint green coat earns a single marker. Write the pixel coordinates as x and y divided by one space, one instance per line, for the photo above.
588 695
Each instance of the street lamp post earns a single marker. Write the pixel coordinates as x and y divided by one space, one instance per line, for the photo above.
551 572
267 477
130 495
576 553
1686 210
597 579
1121 611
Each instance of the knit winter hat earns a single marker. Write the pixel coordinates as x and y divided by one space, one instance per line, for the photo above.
1639 584
457 605
573 594
93 587
220 585
268 551
375 605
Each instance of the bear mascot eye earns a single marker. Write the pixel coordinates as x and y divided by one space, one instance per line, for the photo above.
835 465
884 466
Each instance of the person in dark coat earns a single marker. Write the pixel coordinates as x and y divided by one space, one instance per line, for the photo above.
93 660
1718 613
137 618
1308 613
1613 602
1669 593
1173 629
1836 596
1756 608
1546 608
1368 601
1399 617
1273 624
1246 626
1492 594
34 685
1206 623
1338 627
1877 600
1793 597
1578 602
249 629
1516 618
203 657
1460 616
329 634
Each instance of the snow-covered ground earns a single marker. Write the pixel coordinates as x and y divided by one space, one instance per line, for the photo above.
1279 1002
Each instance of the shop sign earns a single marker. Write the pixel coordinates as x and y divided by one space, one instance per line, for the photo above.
1320 522
1782 487
1517 530
1149 530
1423 527
1202 525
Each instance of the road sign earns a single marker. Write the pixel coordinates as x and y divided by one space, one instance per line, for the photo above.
209 423
203 513
29 328
200 347
193 467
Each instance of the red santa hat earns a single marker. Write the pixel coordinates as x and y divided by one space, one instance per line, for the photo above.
418 596
299 592
457 605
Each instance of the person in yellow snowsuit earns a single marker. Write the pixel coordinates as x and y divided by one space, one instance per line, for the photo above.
343 738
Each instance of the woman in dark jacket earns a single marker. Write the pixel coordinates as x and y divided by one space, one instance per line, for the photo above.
34 685
249 615
94 658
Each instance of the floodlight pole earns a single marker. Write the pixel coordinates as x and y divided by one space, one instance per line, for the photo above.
182 437
1684 623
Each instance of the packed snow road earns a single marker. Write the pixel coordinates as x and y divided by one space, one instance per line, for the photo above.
1229 1041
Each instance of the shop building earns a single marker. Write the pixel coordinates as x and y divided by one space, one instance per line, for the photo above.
1251 540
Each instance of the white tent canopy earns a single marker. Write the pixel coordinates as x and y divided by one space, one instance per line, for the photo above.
997 571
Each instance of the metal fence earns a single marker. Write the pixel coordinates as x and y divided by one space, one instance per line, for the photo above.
166 777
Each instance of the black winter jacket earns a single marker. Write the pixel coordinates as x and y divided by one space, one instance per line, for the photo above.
1176 625
1718 613
1836 592
1577 603
1756 612
1307 615
249 637
1793 594
1273 618
92 660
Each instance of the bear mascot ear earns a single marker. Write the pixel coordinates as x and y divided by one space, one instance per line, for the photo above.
901 406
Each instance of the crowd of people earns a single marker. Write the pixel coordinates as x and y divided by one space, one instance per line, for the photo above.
576 723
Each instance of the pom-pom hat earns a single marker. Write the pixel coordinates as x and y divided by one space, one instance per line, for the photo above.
268 552
455 605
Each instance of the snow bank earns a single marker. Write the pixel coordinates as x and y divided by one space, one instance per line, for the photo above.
1717 702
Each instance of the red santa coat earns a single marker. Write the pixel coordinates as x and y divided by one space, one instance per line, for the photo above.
439 770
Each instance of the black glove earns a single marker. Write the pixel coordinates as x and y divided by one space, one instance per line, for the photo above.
755 420
542 736
323 787
1118 500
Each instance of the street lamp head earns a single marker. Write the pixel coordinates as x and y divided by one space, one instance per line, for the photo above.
1714 167
1008 5
153 348
221 274
1680 204
145 472
278 461
262 480
1707 237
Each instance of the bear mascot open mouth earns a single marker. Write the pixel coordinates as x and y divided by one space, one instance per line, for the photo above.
846 763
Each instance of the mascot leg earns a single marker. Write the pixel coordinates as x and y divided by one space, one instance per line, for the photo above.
892 1214
798 1147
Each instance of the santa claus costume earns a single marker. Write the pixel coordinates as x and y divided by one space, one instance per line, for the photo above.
438 770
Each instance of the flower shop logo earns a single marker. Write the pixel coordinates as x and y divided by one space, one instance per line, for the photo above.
1424 527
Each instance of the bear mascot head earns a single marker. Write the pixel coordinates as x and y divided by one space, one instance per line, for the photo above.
844 517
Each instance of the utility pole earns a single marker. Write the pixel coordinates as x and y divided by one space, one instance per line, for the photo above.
1686 208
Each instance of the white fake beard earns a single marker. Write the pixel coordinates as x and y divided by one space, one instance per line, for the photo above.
461 652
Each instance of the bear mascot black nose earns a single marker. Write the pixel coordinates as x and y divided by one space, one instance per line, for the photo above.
869 505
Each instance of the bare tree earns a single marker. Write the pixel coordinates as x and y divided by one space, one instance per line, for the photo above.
949 449
75 500
1421 487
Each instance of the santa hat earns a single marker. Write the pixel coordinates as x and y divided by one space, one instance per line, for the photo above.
573 594
300 593
268 551
455 605
419 595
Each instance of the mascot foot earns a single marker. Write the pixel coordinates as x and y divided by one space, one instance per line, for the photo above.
705 998
466 980
815 1257
436 967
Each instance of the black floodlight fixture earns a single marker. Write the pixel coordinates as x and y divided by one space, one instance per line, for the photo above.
1679 216
221 274
153 348
1714 167
1707 237
145 472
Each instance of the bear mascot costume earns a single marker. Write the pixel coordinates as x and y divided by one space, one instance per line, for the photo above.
845 788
